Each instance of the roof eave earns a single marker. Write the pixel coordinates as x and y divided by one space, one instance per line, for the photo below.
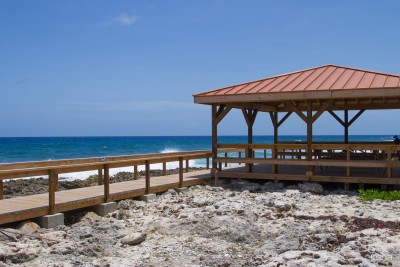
303 95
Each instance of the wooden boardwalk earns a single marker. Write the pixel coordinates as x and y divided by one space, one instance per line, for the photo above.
27 207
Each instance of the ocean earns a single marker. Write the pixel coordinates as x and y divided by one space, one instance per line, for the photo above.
23 149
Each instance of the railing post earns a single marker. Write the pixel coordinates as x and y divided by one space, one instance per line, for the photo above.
348 157
187 165
53 176
265 153
164 168
106 183
100 176
135 173
274 166
207 163
247 156
240 156
180 172
389 169
216 182
147 166
1 189
226 163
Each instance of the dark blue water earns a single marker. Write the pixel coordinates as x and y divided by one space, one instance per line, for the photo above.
20 149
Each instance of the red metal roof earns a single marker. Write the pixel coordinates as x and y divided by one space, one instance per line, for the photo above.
324 78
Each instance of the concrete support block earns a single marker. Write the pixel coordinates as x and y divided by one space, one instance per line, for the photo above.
105 208
51 221
182 190
147 198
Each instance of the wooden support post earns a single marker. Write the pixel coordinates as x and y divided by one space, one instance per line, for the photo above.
226 163
346 126
220 166
275 123
106 183
1 189
265 153
187 165
309 133
180 172
53 176
250 141
135 173
250 116
240 156
216 180
147 170
214 128
346 186
207 163
164 168
100 176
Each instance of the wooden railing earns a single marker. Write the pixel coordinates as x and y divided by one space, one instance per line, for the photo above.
381 155
103 165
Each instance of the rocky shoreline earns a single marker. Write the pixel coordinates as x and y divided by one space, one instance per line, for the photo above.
240 223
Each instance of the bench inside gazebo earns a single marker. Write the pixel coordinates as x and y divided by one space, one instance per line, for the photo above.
308 94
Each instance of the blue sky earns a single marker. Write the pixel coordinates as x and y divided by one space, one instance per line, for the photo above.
82 68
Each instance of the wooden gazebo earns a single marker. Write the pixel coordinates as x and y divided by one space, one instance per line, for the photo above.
309 93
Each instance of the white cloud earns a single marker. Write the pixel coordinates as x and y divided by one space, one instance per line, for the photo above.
124 19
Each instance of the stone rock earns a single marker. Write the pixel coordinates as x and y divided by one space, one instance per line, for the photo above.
172 192
311 187
282 206
133 239
90 216
28 227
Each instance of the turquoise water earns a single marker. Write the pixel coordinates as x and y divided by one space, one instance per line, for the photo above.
20 149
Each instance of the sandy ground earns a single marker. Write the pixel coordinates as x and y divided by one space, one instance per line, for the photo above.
237 224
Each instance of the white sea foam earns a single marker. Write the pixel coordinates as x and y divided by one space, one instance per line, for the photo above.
169 150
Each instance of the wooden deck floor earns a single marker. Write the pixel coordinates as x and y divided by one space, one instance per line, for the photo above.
27 207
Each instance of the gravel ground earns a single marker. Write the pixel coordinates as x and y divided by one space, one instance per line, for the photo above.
238 224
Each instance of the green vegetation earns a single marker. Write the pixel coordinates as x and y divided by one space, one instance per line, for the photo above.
372 194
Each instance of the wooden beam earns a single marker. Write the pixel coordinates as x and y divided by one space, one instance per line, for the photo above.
287 115
273 119
356 116
246 116
222 112
259 106
337 117
321 110
293 108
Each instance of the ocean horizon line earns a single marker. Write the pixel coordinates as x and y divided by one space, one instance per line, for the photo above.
222 135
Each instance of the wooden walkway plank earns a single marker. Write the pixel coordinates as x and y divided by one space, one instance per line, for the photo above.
26 207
